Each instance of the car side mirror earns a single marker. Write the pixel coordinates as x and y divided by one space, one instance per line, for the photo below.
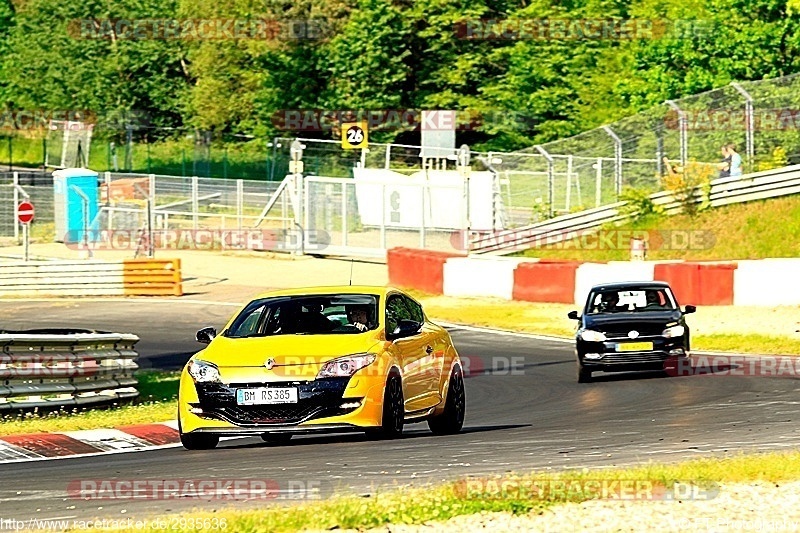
573 315
206 335
689 309
405 328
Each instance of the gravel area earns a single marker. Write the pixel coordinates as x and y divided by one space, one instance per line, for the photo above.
747 507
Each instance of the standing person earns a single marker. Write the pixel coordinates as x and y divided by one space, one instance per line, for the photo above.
725 166
735 161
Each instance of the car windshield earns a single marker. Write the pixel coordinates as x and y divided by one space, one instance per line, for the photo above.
334 314
631 301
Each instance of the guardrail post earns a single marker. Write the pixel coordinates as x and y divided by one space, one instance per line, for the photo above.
749 125
550 178
683 126
617 159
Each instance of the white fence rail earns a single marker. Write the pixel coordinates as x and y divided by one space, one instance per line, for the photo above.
724 191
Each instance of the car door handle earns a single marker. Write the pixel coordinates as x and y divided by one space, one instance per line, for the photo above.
428 350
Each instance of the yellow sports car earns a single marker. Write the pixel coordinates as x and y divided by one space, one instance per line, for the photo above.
321 359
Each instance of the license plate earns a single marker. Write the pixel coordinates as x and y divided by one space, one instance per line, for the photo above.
266 396
634 346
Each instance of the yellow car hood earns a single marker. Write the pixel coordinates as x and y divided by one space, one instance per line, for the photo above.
286 350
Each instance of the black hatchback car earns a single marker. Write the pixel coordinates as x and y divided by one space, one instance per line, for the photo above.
635 325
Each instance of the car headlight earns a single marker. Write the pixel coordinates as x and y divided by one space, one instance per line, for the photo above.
203 372
345 366
674 331
591 335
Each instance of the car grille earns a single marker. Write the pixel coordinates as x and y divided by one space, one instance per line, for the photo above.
316 399
632 358
273 414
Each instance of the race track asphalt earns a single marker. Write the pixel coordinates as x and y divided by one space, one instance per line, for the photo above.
525 411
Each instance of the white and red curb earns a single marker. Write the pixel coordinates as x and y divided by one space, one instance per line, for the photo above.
42 446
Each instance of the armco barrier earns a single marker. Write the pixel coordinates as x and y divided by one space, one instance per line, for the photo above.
91 278
417 269
545 282
63 368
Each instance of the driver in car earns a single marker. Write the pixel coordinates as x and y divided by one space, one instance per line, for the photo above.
357 317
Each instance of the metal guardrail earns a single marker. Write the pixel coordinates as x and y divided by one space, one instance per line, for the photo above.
724 191
53 368
129 277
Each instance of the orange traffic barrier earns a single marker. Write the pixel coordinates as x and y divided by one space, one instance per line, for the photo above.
152 277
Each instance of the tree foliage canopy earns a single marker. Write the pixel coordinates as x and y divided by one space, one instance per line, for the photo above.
390 54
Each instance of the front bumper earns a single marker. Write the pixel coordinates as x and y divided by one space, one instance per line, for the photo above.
610 356
330 404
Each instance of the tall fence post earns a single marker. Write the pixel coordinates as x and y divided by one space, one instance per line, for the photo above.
683 126
569 182
195 202
239 203
749 119
617 159
550 178
598 184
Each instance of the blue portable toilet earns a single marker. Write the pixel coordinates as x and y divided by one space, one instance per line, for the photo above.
69 204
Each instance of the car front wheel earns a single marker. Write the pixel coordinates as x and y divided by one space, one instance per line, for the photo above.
584 374
199 441
452 419
276 438
393 415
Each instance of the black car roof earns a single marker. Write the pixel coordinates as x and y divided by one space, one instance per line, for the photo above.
634 285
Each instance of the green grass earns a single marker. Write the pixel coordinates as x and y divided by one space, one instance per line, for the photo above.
440 502
157 402
754 230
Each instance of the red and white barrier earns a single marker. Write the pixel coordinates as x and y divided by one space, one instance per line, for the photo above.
765 282
480 276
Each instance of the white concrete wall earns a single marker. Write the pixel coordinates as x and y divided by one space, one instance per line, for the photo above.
484 276
589 274
767 282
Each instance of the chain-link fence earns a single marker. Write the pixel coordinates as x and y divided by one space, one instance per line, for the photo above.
760 118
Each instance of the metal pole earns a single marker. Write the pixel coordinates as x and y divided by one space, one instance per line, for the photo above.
598 190
386 163
16 203
750 124
569 180
550 178
617 159
239 203
683 126
27 240
10 154
195 203
344 213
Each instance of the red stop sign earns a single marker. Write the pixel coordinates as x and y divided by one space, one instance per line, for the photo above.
25 212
